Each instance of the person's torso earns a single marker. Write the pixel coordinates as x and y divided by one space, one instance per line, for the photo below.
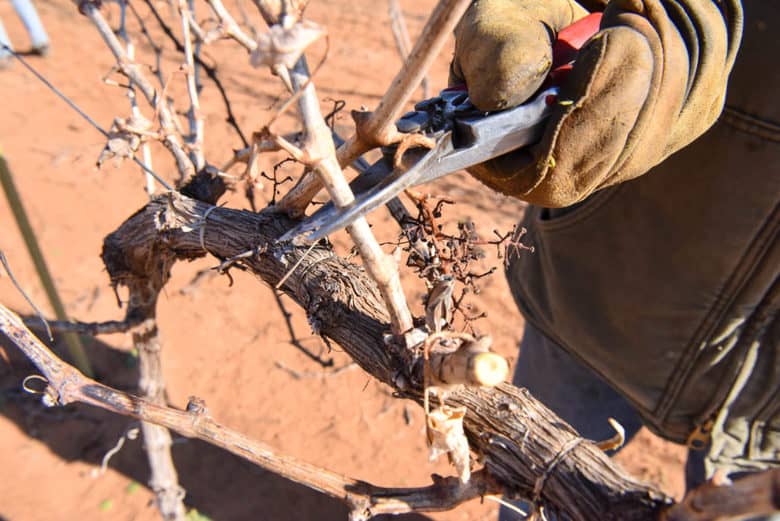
667 285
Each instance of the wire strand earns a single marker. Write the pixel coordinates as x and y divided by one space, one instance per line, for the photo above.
83 114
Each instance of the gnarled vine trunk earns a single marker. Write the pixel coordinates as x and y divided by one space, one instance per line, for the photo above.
524 445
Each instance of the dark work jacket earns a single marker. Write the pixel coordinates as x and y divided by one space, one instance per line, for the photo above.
667 285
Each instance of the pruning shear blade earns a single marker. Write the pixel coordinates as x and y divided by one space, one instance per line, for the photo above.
470 140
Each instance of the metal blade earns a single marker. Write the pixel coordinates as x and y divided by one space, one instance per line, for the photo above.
361 184
327 221
472 141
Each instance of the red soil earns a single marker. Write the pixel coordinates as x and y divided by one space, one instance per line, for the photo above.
227 345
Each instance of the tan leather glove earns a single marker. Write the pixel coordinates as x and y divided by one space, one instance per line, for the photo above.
648 83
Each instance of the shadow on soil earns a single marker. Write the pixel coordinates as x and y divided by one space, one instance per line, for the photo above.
218 484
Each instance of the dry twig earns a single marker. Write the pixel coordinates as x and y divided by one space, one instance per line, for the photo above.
135 73
402 40
163 478
66 385
210 70
552 464
344 305
230 27
281 11
131 96
377 128
107 327
321 150
197 126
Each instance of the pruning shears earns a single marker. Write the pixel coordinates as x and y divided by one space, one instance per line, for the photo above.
463 137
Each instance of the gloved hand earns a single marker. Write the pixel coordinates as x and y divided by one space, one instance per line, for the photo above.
648 83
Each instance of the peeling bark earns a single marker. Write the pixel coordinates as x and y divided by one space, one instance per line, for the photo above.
524 445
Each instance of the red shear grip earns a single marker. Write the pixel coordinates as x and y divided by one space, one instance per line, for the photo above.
565 48
572 37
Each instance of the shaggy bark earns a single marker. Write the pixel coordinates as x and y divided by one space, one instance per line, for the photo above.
525 446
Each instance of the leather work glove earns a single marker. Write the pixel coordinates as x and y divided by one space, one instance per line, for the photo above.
650 81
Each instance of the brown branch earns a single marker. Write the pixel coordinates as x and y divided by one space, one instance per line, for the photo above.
107 327
230 27
163 480
134 72
518 438
321 150
210 70
131 96
66 385
294 340
402 41
273 11
524 446
377 128
197 123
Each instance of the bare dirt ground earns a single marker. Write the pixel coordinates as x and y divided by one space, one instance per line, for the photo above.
227 345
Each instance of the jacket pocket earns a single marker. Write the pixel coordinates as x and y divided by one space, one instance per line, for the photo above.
552 219
765 432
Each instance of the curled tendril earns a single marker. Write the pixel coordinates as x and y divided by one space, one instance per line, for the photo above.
28 389
48 394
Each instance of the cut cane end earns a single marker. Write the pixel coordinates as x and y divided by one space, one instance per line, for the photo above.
489 369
